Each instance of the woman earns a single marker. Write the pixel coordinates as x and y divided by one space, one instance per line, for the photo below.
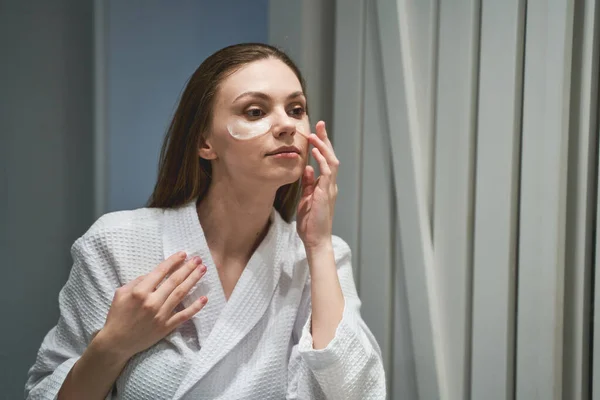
213 292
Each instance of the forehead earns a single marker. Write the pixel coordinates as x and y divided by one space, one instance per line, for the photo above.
270 76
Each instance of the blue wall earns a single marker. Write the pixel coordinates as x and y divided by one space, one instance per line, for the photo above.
152 49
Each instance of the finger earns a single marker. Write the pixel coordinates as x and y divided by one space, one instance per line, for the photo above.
177 278
178 294
327 152
323 165
308 181
321 130
160 272
187 313
131 284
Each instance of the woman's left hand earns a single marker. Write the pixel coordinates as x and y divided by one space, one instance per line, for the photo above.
317 202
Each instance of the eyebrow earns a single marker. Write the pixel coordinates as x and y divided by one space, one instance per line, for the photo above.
266 97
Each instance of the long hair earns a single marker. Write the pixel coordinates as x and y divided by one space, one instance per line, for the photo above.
184 176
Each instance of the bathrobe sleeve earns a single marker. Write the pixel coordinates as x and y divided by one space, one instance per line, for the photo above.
350 367
83 305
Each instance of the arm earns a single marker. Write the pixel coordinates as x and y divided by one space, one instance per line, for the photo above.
315 219
83 304
350 365
335 347
326 294
73 363
94 373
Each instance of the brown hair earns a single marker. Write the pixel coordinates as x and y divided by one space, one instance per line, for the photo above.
184 176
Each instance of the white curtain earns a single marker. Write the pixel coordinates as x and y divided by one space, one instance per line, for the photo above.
467 133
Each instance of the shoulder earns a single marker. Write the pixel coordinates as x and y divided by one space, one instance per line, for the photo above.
139 219
130 224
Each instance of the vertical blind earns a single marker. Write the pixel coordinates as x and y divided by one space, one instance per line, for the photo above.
467 132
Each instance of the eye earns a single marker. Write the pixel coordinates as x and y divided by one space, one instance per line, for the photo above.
297 111
255 113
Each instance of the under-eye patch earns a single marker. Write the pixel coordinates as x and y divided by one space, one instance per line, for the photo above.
243 129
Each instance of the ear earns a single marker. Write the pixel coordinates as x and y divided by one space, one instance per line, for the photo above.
206 150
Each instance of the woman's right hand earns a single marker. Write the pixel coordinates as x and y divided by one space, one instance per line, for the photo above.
142 311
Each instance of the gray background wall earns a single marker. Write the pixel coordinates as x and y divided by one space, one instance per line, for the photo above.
47 133
46 162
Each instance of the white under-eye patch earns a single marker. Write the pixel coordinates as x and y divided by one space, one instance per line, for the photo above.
242 129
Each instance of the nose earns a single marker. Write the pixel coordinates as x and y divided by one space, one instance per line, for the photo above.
283 124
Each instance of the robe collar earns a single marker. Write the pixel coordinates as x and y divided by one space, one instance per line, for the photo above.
222 324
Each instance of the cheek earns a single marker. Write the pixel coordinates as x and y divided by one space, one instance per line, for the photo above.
303 126
243 156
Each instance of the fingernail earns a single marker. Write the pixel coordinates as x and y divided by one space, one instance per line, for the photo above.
181 254
203 300
202 269
197 260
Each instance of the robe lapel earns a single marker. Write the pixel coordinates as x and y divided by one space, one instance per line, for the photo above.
182 232
222 326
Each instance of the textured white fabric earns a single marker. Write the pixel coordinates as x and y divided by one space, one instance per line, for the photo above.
257 345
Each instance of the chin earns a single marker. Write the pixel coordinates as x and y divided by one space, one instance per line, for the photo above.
285 177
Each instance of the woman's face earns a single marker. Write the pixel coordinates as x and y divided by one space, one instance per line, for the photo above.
259 126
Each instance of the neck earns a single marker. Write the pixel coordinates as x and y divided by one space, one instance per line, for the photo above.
234 221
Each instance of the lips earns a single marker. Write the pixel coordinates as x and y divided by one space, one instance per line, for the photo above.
285 149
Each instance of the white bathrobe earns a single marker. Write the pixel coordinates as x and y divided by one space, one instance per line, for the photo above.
256 345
